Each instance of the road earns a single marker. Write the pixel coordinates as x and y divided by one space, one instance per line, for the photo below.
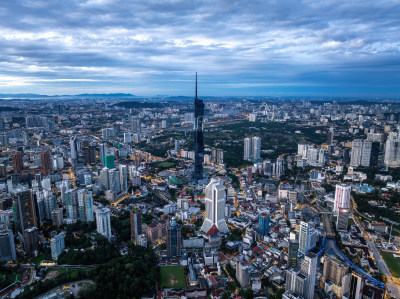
123 197
392 286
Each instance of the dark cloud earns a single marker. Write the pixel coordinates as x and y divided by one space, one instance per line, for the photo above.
238 47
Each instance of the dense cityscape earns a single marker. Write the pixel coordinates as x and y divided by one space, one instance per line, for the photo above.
116 196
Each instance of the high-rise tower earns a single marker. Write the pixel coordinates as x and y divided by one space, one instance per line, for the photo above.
198 137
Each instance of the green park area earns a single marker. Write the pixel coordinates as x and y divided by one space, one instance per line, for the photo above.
172 277
165 164
392 262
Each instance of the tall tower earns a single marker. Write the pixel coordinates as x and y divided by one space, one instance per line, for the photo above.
215 206
198 137
174 236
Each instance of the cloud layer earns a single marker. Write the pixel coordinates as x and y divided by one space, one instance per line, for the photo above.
278 48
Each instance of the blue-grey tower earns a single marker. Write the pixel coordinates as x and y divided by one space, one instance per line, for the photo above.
263 225
198 137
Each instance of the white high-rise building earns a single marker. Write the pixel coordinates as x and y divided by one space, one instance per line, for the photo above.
309 268
127 138
57 245
215 207
114 180
392 151
123 177
103 222
74 147
252 148
256 148
342 197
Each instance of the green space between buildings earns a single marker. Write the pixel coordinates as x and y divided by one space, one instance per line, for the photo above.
172 277
392 262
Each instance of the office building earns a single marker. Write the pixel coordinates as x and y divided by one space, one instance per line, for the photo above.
135 125
174 239
342 197
7 246
309 268
334 270
57 245
18 162
342 219
127 138
31 241
215 204
307 237
24 210
102 153
263 225
103 222
136 225
296 283
356 285
57 217
104 178
89 153
293 249
73 142
114 180
198 137
45 159
330 136
109 161
252 149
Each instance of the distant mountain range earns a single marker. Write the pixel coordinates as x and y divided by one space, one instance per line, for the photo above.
84 95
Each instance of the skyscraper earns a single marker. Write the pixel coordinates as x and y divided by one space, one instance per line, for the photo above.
31 241
330 136
174 239
356 285
342 197
57 245
85 205
215 204
263 225
45 157
123 177
309 268
74 147
342 219
136 225
198 137
103 222
24 210
334 270
7 246
293 250
392 151
18 162
109 161
71 204
252 149
102 153
307 237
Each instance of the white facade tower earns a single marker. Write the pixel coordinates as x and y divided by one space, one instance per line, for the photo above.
215 205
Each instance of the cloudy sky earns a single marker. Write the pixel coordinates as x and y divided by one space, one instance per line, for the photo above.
149 47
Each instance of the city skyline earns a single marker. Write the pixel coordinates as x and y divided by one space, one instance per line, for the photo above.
239 49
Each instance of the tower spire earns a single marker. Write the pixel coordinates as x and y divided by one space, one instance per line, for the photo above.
196 86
